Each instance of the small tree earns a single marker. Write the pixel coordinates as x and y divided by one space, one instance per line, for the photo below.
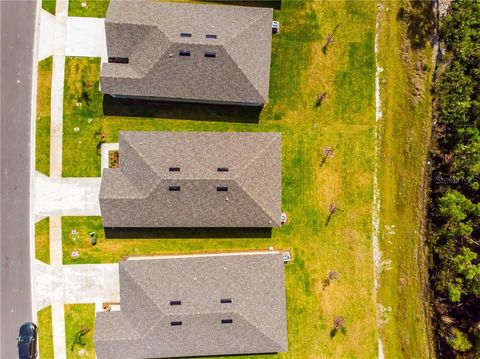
329 39
332 209
320 98
458 340
326 154
338 325
78 339
331 276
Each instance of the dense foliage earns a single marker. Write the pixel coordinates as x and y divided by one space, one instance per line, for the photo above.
455 205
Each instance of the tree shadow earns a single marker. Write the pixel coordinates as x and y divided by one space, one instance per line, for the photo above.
180 110
275 4
186 233
420 20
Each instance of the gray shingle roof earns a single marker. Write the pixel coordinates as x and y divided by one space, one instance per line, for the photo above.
149 34
138 193
255 283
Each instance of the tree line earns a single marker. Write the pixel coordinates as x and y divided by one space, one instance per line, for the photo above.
454 211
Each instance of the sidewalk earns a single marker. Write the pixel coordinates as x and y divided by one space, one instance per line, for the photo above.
58 77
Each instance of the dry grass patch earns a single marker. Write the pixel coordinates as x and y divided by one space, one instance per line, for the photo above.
42 126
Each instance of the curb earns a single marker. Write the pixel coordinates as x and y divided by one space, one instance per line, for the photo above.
33 118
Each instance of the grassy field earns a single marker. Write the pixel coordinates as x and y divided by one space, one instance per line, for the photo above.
42 240
45 336
92 8
49 5
42 132
78 316
405 132
345 121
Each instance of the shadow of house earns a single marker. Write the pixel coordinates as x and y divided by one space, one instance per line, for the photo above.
274 4
186 233
180 110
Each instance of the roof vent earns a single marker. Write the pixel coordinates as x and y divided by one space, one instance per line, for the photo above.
211 36
174 188
222 189
225 300
174 169
176 323
210 54
222 169
185 34
226 321
118 60
175 302
184 52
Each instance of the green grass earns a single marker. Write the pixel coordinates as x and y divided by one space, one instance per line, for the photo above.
299 71
42 131
76 317
42 240
45 334
49 5
405 135
82 115
93 8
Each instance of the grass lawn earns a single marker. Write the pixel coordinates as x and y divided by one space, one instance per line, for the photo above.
92 8
45 334
345 121
405 136
49 5
42 240
42 132
78 316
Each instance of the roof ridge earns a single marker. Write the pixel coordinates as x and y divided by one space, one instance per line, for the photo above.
254 159
242 72
140 287
142 45
259 330
133 145
225 46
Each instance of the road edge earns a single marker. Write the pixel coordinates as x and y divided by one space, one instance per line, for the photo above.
33 117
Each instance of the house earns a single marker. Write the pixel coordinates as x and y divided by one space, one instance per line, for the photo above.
187 52
194 179
196 305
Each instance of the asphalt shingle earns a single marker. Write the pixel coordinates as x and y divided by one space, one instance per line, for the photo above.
149 34
139 193
254 321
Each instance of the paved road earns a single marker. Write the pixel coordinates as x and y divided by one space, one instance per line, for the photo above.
17 34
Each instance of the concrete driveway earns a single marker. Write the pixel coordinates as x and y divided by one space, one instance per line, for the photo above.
76 283
86 37
66 196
